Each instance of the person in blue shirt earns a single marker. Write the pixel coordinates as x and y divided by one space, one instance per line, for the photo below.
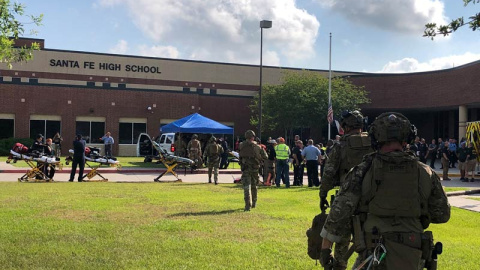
452 147
313 157
108 142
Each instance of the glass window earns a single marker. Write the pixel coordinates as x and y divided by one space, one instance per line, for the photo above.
91 131
137 129
52 127
97 131
169 139
47 128
125 133
7 127
129 132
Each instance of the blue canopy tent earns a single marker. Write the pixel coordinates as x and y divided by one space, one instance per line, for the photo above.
196 123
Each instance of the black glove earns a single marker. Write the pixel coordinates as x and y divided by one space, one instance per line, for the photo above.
326 258
323 203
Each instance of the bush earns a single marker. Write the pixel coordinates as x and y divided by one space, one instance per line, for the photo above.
7 144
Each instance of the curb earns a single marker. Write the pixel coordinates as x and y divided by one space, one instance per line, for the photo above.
463 192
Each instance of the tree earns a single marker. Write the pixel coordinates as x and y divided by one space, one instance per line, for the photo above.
11 28
301 101
431 29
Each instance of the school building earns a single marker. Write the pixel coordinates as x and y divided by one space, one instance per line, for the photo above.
91 93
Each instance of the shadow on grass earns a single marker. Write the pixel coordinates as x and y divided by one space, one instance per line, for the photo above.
206 213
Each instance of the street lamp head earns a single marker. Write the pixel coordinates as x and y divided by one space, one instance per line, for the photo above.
265 24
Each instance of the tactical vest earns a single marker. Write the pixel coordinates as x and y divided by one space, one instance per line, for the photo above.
213 149
395 189
282 151
354 147
246 150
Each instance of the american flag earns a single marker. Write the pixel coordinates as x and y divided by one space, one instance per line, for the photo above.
330 114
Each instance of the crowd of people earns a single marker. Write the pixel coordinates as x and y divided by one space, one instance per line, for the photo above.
451 154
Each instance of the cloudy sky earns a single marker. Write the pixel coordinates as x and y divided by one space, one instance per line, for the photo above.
367 35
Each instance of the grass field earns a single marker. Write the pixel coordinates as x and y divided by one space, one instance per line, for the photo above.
176 226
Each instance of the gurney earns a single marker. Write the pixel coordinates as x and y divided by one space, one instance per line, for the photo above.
36 160
170 162
94 161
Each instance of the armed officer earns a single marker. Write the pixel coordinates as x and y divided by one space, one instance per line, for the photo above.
251 155
344 156
195 151
393 198
212 154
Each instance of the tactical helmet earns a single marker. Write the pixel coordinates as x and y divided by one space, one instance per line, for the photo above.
194 136
212 139
249 134
351 119
392 126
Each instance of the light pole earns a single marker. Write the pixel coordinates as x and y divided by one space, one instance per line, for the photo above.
263 24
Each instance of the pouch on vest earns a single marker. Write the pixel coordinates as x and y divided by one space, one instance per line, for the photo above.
314 240
356 147
394 189
400 256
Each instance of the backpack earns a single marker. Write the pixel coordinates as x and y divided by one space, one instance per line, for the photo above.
314 239
354 148
20 148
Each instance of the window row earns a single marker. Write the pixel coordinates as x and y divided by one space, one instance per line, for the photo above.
91 131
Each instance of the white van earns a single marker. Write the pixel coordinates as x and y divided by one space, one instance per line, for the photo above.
145 147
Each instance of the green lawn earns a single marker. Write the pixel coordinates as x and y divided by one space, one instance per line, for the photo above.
176 226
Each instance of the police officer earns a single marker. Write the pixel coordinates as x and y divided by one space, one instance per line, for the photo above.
195 150
394 198
180 146
251 155
344 155
212 153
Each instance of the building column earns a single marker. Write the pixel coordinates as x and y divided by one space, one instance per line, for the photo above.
462 121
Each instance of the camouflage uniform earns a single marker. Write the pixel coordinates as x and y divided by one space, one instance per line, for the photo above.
180 147
251 155
344 155
362 191
195 151
212 153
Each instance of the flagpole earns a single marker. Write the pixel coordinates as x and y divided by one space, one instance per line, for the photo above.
330 82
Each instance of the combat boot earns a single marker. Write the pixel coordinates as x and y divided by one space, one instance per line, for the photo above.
247 209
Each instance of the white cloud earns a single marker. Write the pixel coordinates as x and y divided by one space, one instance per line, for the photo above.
413 65
120 48
158 51
402 16
226 30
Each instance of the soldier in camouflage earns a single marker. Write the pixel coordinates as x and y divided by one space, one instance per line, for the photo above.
251 156
212 153
392 197
195 151
344 156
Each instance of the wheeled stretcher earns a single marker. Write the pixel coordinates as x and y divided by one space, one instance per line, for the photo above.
94 161
37 163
